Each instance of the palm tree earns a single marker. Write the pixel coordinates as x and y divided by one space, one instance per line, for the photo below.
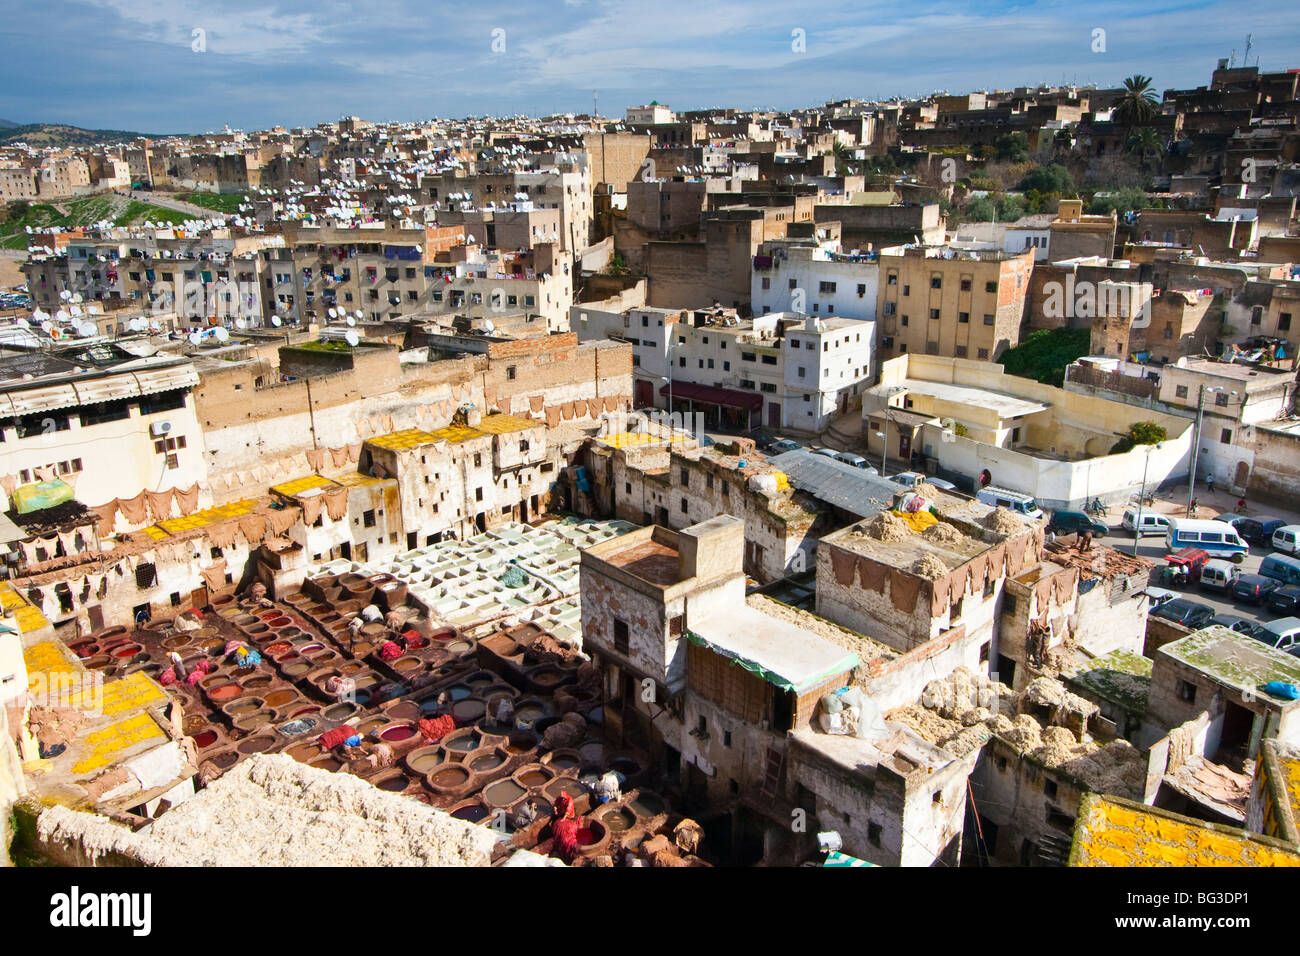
1145 142
1137 107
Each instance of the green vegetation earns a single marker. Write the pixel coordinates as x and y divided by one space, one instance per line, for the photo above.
20 215
217 202
1128 199
983 208
1012 147
1139 433
1138 106
138 212
329 345
1043 355
57 134
1048 180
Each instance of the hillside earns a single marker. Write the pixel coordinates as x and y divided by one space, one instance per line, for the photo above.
17 216
56 134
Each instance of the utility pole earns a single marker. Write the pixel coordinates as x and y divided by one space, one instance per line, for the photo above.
1196 448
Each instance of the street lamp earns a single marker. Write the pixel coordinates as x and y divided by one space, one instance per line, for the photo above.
1137 525
884 438
1196 447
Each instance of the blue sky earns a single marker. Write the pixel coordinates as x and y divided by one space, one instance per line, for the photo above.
130 64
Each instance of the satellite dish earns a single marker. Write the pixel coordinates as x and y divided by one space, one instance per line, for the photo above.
223 335
77 297
276 321
22 323
47 327
241 324
61 316
351 320
358 314
195 338
334 313
65 295
352 338
87 329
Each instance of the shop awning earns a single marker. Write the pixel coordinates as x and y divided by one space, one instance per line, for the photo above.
710 395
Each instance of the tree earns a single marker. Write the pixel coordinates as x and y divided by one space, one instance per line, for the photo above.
1139 433
980 209
1048 180
1120 201
1012 147
1144 143
1137 107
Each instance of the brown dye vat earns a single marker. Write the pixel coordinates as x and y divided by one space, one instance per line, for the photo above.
255 721
404 710
531 775
279 698
115 631
361 649
371 724
256 745
205 738
212 680
278 648
488 761
472 812
349 668
503 793
175 643
304 752
340 712
290 632
392 593
85 650
467 711
520 742
616 819
98 661
392 782
297 598
243 706
372 631
448 780
330 763
258 682
423 759
568 785
225 759
592 753
307 710
204 633
293 669
563 761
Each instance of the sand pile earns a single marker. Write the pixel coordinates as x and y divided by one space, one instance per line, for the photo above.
928 566
927 490
271 810
1002 521
886 526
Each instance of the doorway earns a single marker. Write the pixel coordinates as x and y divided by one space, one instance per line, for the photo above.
773 414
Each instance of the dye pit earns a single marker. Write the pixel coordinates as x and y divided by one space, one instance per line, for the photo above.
500 776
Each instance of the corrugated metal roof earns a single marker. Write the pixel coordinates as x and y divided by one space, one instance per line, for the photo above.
167 379
32 400
848 488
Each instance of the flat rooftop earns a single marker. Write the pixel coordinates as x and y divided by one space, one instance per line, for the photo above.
1005 404
649 559
1235 660
781 652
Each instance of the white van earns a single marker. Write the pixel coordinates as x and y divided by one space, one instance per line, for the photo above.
1287 539
1152 523
857 461
1218 575
1011 500
1217 537
1287 633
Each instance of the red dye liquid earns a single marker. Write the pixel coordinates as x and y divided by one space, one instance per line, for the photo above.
398 733
130 650
224 692
586 837
205 739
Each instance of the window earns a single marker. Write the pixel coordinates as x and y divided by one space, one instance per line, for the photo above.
1257 315
1221 400
965 285
769 387
145 576
936 282
1186 691
893 279
961 351
1181 391
620 637
963 318
478 494
42 423
983 353
769 359
162 402
905 320
801 371
767 284
934 313
990 287
907 290
368 518
510 373
104 412
825 287
684 507
873 833
890 308
1283 321
988 318
1225 436
686 478
794 283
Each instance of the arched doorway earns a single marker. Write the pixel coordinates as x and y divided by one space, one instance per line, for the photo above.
1242 477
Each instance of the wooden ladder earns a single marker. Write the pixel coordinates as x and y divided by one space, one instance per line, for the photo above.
773 771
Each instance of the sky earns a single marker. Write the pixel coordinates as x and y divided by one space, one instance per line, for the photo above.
188 66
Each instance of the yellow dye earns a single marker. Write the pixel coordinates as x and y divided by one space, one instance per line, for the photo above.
106 746
299 485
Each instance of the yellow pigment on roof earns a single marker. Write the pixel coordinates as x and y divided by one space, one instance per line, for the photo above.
9 598
201 519
136 691
454 434
299 485
503 422
27 616
106 746
634 439
44 657
355 479
1109 833
1291 781
401 440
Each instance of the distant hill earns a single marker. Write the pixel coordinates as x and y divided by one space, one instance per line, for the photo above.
56 134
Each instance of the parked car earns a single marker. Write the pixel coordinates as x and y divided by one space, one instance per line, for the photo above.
1187 613
1287 539
1242 626
1075 522
908 479
1285 600
1281 566
762 438
1285 633
1256 530
783 445
941 484
1160 596
1254 588
857 461
1152 523
827 452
